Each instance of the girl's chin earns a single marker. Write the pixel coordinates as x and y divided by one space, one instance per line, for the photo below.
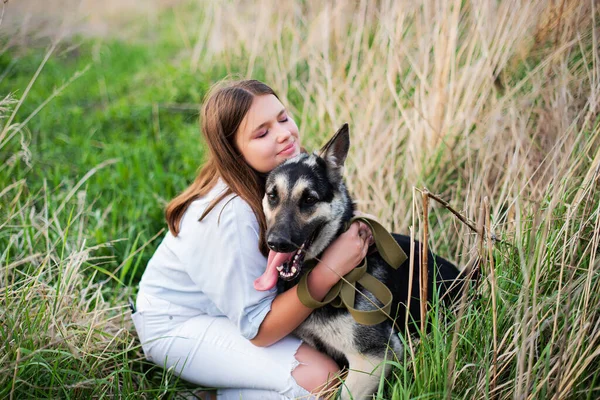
281 158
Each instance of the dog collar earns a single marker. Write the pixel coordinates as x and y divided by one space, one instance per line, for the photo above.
343 293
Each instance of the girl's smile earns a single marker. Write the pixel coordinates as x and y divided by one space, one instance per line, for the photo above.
289 150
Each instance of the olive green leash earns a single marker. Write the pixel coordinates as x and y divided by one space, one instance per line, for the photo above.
343 293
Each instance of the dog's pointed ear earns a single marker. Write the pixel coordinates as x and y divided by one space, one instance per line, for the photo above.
336 150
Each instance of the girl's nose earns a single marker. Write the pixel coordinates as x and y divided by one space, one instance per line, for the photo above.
283 134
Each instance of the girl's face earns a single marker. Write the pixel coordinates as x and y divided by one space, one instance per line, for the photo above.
267 136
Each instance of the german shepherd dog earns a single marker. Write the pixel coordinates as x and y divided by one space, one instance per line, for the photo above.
307 206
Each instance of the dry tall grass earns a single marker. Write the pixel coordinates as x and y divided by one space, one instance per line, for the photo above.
427 86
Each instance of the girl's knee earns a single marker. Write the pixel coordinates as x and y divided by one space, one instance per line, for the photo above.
316 371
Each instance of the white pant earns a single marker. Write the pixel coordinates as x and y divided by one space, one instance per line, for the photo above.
210 352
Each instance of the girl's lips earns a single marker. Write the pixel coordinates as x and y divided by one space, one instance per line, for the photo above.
289 150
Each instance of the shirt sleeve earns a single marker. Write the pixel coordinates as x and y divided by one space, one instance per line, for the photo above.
224 260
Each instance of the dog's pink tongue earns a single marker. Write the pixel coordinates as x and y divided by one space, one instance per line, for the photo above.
269 279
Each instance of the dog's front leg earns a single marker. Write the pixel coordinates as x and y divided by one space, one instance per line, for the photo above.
364 373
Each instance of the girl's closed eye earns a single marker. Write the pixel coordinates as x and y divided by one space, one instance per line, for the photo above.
283 119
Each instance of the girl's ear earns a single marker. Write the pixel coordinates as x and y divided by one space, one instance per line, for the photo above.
336 150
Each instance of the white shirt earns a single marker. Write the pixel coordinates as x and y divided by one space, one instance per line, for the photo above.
211 265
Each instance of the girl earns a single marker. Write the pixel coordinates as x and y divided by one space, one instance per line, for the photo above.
198 312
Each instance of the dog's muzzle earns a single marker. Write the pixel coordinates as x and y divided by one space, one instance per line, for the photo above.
284 265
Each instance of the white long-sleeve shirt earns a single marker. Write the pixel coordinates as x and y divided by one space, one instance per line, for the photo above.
211 265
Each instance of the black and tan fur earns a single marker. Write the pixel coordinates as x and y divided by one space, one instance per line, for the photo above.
306 198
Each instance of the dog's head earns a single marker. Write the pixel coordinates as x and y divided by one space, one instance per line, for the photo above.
306 205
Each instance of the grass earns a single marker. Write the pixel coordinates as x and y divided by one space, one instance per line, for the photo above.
468 100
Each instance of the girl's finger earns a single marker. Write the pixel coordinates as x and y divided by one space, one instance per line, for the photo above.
364 229
355 227
366 246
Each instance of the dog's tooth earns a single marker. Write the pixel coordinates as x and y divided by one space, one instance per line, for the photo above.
294 269
280 268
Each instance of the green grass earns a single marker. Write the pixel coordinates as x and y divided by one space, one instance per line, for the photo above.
111 113
84 183
114 121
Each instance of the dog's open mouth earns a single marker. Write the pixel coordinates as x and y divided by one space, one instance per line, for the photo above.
286 266
292 266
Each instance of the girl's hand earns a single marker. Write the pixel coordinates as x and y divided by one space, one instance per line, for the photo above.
347 251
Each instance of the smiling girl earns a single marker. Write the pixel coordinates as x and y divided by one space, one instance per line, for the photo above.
198 312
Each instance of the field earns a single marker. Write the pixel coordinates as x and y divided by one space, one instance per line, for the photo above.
493 106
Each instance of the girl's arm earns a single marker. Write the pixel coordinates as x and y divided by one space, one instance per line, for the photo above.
287 312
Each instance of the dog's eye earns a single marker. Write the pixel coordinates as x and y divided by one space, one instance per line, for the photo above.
310 200
272 196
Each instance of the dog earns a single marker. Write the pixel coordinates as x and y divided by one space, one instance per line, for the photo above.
307 206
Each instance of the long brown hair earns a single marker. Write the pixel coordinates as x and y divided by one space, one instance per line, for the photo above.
224 109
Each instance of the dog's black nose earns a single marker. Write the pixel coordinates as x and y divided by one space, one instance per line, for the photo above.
280 245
